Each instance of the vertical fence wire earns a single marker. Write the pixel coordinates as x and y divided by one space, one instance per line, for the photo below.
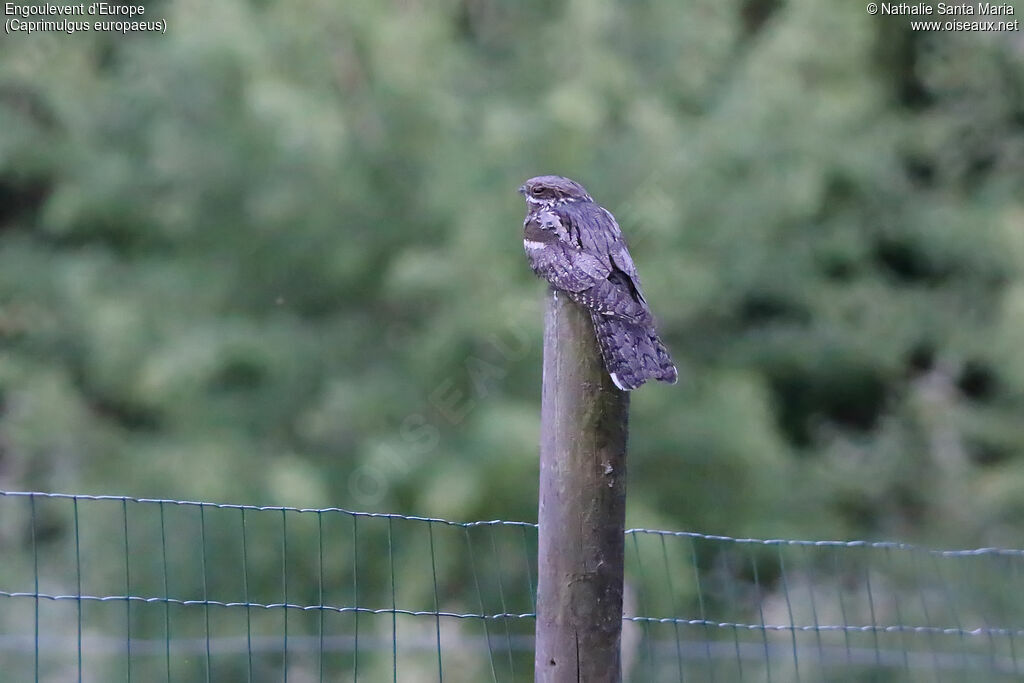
35 599
78 586
701 613
812 578
320 594
245 598
394 601
127 591
178 590
641 599
437 600
167 592
480 603
675 608
504 606
789 611
206 591
284 590
759 597
355 595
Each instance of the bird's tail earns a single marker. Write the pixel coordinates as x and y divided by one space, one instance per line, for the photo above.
632 352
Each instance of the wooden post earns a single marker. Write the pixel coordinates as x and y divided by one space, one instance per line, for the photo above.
582 505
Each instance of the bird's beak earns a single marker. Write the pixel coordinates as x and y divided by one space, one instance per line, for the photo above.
522 190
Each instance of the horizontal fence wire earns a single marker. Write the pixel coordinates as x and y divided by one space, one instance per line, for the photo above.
100 588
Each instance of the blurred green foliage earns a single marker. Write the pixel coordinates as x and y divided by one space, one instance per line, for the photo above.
273 257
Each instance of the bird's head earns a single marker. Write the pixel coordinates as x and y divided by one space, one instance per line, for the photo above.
552 189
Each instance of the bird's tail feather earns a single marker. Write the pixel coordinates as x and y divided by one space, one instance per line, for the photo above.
632 352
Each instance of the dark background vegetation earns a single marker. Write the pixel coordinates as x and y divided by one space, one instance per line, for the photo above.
273 257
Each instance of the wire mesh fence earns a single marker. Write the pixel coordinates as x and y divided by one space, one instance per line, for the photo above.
103 588
788 610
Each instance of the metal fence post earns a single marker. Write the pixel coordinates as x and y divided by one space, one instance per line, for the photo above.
582 505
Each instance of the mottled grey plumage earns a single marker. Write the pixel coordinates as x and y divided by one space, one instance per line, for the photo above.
577 246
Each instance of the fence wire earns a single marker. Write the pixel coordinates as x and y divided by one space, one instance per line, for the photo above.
104 588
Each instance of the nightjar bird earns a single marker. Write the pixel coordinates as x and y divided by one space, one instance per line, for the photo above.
576 245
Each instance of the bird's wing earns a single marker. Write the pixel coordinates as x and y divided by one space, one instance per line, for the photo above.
591 227
624 262
599 234
577 271
559 261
